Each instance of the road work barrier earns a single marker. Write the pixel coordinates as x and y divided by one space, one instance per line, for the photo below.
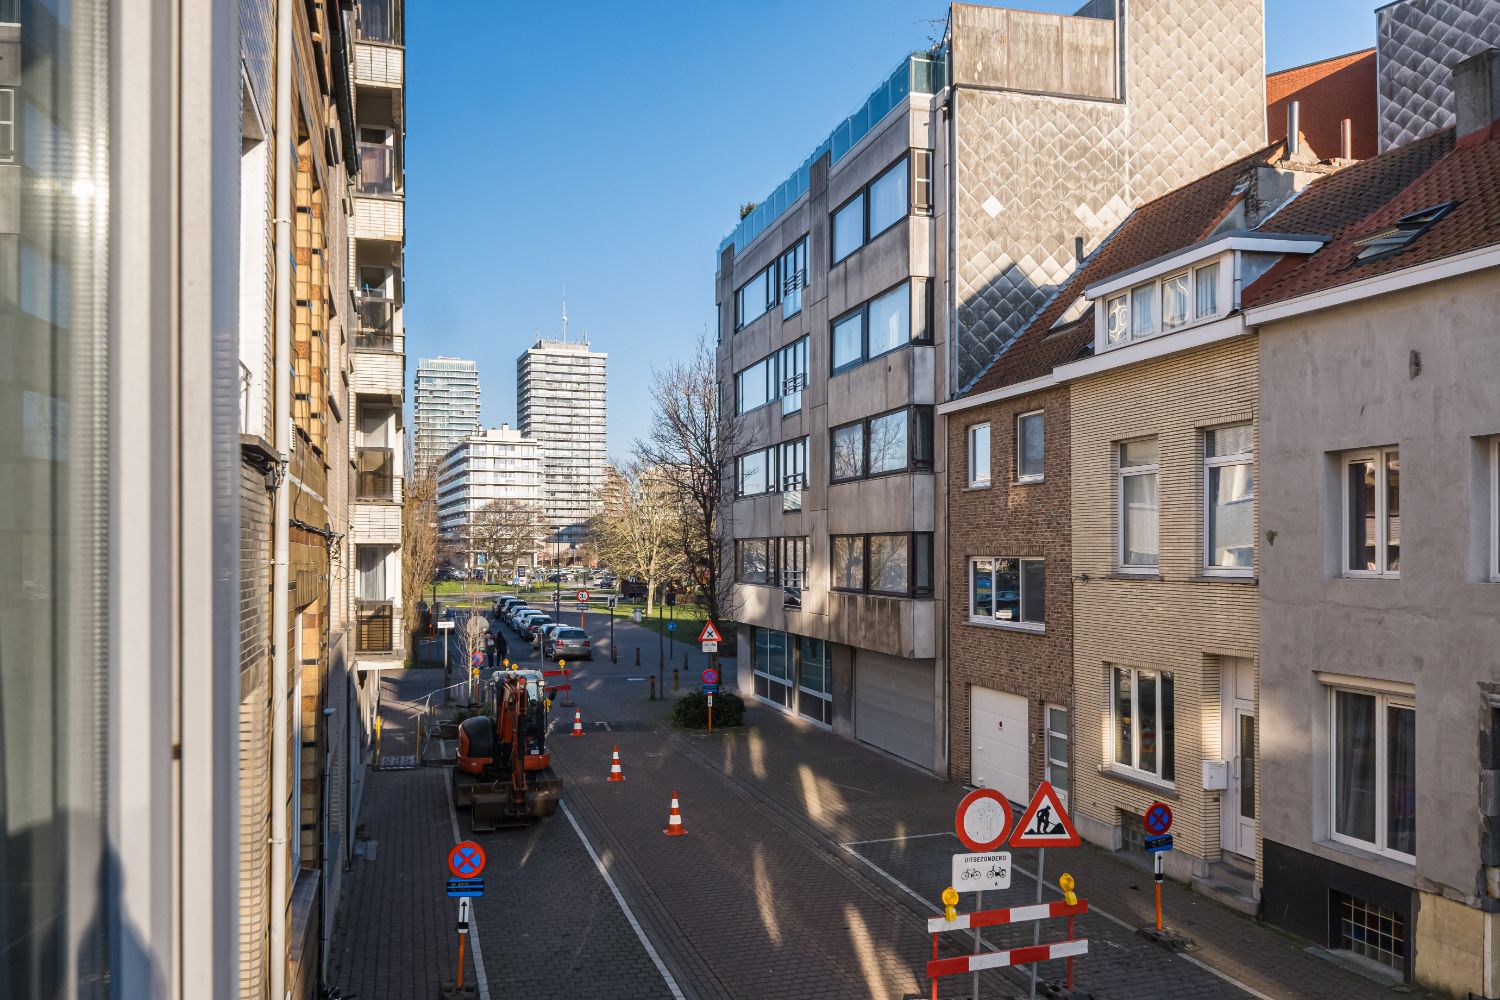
1068 948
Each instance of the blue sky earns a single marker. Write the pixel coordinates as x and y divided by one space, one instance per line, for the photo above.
606 146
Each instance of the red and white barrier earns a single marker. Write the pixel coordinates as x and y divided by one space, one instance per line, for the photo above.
1068 948
1008 915
1014 956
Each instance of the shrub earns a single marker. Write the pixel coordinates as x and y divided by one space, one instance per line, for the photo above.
691 710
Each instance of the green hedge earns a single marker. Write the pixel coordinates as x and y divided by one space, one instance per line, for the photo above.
691 710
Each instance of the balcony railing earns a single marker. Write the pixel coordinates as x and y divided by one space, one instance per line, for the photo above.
376 473
377 168
375 627
377 324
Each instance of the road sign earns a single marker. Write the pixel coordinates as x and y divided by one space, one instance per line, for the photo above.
671 626
583 597
466 860
1155 845
613 601
581 606
477 659
1158 818
979 872
445 624
709 633
463 915
710 647
465 887
1045 822
710 676
710 699
982 819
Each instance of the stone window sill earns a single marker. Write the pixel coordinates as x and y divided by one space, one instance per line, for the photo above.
1157 788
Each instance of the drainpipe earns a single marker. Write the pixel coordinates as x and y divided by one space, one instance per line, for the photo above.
281 528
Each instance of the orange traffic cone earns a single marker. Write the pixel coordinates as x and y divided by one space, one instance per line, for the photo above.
577 724
615 774
674 820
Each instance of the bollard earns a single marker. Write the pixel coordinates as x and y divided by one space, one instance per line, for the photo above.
653 689
637 656
684 661
674 679
419 741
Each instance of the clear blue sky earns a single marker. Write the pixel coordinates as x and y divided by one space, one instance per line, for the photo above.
606 146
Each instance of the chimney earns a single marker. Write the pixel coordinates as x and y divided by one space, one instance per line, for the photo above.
1293 129
1078 249
1476 91
1346 139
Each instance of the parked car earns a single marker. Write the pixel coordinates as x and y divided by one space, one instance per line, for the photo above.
568 643
633 590
534 625
545 634
518 619
506 605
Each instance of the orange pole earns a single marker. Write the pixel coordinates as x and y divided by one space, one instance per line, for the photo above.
1158 905
461 960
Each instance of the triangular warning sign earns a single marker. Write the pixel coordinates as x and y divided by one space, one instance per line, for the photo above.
1045 822
709 633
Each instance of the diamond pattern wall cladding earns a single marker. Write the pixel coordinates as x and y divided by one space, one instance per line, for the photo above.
1060 168
1419 41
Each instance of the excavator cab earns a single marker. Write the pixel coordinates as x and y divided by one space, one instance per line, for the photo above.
504 770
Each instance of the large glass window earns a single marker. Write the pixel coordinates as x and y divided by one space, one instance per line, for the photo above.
1030 447
848 449
753 385
979 455
848 341
888 446
782 376
1374 771
1372 512
889 321
1138 505
755 297
895 564
879 326
755 560
1229 505
849 227
773 666
793 278
875 208
847 558
1005 590
757 472
815 680
890 442
888 199
1143 721
792 458
1174 301
890 564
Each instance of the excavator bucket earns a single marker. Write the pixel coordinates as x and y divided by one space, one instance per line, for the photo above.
497 804
543 793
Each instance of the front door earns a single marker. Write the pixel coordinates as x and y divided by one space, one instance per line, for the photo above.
1237 819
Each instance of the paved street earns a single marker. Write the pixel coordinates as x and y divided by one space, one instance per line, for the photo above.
810 866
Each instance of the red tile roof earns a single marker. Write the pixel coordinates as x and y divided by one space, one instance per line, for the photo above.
1175 220
1419 175
1328 91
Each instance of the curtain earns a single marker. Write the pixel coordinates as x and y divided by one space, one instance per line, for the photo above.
1354 765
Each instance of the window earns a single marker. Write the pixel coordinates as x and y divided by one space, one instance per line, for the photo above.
757 472
1495 509
888 322
879 326
1057 750
755 297
1393 239
1372 506
773 666
1029 447
1229 499
921 180
1007 591
793 464
892 564
848 341
1370 930
1142 724
848 452
1117 319
753 386
979 455
1138 505
782 376
849 227
814 681
890 442
754 560
793 563
1374 760
888 199
7 124
1174 301
1206 284
793 278
792 375
1142 310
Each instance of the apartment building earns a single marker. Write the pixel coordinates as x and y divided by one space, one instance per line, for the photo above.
490 501
446 411
886 272
562 403
1380 570
1419 42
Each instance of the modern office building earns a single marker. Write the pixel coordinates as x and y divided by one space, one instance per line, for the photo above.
561 403
887 271
490 499
447 408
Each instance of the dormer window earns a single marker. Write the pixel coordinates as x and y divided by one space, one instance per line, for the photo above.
1170 303
1176 301
1393 239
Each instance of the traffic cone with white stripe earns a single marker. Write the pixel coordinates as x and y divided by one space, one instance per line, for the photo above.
577 724
674 820
615 774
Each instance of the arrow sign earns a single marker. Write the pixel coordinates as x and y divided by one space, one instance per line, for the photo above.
1045 822
709 633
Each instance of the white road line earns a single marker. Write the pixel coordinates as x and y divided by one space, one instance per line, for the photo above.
1093 910
480 980
891 840
624 908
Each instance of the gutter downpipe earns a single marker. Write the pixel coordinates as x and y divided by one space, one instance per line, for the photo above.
281 523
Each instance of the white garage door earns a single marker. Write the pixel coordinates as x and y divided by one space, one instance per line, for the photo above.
997 742
893 705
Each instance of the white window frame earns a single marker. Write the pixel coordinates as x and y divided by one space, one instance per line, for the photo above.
1384 699
1382 529
1019 625
1154 777
1063 734
975 481
1042 423
1220 462
1122 473
1153 290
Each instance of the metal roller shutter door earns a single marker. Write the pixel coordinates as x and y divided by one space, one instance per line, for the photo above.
893 705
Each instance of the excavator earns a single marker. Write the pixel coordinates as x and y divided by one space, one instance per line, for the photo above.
504 770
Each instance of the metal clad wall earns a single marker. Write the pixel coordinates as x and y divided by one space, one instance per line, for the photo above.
1418 42
893 704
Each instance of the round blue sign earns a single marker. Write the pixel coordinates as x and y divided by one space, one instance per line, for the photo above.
1158 818
710 676
671 626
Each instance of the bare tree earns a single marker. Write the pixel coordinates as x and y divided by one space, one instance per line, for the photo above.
690 446
420 547
638 532
506 532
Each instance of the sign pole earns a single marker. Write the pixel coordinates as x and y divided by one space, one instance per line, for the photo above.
460 961
1158 889
978 935
1036 929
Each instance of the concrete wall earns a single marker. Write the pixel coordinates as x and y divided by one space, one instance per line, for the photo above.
1176 620
1339 380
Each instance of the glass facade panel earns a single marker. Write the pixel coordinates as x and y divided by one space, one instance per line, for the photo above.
982 589
1140 523
888 447
1142 310
1033 591
1007 590
890 564
1392 512
849 228
1124 718
848 451
890 319
888 198
848 341
1401 781
847 560
1117 319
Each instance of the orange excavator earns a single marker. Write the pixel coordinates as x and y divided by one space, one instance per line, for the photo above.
504 771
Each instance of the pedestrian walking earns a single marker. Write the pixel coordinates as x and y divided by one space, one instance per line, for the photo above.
501 649
489 649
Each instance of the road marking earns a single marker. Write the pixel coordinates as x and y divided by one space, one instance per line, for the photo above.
1093 910
891 840
480 980
624 908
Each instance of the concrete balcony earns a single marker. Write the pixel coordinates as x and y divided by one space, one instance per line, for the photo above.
380 218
